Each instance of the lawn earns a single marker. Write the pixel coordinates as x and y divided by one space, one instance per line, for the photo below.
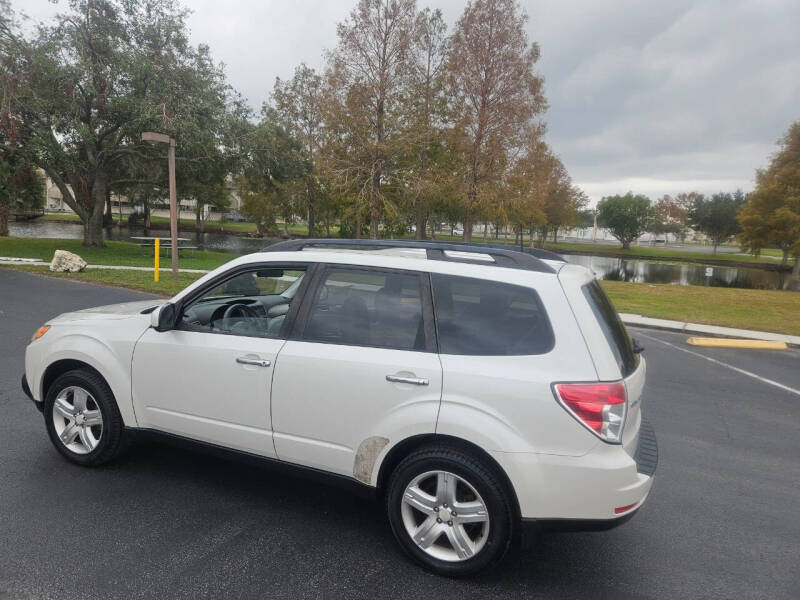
762 310
114 253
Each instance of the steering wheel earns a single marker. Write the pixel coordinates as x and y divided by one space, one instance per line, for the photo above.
240 311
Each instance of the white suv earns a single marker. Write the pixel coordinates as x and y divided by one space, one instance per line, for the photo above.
476 389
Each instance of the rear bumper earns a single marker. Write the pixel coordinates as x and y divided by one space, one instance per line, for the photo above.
599 490
27 389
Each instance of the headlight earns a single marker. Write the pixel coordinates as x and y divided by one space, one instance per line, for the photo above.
40 332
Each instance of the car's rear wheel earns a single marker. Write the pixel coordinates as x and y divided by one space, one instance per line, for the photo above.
82 418
449 511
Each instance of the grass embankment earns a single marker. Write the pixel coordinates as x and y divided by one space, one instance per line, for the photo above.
114 253
134 280
761 310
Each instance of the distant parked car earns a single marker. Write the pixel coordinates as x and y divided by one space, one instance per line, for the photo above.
458 231
476 391
235 217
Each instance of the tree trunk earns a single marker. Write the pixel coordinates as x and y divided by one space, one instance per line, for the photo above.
714 251
93 229
793 283
485 231
95 203
147 223
784 258
420 220
310 204
626 245
374 213
4 214
555 235
357 233
108 218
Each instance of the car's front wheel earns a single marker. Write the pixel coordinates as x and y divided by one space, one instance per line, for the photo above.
449 511
82 418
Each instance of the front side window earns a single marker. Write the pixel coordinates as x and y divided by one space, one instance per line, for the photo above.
253 303
360 307
489 318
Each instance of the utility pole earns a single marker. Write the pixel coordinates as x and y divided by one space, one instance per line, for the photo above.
149 136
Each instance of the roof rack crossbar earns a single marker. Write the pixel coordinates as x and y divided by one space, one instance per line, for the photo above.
529 259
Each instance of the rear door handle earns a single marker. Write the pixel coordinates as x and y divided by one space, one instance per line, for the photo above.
411 380
257 362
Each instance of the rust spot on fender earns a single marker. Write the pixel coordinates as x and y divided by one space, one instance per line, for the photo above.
366 455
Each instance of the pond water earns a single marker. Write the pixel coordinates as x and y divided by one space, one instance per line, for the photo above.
614 269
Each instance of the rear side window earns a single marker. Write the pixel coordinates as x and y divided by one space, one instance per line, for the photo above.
358 307
489 318
613 328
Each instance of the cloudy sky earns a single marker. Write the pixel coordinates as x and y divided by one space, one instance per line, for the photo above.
649 96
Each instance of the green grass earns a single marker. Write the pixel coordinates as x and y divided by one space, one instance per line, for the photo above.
114 253
135 280
762 310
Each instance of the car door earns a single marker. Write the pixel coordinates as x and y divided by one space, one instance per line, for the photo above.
209 378
359 371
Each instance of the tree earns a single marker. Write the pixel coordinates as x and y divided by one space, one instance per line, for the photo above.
428 167
716 216
771 216
85 87
494 92
368 76
298 106
626 217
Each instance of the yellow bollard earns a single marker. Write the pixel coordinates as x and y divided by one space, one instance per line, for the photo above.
156 256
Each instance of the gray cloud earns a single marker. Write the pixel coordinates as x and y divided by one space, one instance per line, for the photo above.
657 97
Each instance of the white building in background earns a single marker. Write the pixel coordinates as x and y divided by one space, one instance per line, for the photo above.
55 202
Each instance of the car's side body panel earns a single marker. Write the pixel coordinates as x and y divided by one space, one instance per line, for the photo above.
189 383
330 399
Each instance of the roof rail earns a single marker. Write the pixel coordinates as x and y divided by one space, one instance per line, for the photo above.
529 259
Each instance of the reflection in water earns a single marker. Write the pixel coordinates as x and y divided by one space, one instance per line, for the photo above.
614 269
639 271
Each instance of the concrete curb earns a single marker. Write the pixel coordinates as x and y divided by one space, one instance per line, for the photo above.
710 330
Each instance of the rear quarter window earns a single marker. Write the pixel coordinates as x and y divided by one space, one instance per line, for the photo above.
613 328
489 318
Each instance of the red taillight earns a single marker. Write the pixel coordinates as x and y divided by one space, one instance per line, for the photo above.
599 406
622 509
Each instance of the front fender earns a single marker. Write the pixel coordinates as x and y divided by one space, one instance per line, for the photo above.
112 360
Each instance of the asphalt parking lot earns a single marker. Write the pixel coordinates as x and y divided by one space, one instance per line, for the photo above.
722 520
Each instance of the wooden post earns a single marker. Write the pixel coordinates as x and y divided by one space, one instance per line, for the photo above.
173 209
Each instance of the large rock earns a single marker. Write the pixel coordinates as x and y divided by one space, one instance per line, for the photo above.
67 262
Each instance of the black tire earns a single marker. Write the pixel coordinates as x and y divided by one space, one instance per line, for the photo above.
112 440
479 474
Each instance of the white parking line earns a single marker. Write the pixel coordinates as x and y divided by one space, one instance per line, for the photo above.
723 364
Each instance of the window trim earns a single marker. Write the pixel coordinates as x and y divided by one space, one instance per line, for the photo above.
323 269
289 320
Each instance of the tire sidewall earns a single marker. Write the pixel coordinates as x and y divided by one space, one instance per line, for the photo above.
500 527
105 402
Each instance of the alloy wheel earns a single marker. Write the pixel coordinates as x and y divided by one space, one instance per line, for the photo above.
77 420
445 516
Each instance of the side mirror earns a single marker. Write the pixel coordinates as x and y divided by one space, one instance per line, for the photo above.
163 317
637 347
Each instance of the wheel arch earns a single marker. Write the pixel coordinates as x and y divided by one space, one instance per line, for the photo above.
64 365
405 447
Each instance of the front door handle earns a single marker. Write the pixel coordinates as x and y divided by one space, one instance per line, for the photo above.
411 380
257 362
